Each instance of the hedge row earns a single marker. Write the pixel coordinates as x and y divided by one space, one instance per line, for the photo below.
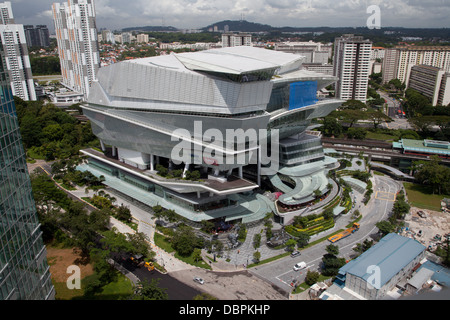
323 225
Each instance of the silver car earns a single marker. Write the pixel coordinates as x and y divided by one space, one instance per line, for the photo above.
199 280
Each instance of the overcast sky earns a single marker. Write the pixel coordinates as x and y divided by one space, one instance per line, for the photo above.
118 14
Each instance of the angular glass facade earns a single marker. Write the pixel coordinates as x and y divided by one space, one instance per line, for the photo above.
24 272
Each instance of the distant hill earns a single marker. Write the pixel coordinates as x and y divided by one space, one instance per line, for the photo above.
329 33
240 25
151 29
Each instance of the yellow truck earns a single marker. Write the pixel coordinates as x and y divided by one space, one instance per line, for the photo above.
344 234
149 266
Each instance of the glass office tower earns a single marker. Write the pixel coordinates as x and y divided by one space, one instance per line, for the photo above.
24 272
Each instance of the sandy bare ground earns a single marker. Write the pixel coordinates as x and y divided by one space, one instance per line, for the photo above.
239 285
60 259
434 223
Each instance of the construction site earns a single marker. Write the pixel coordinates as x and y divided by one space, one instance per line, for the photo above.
431 228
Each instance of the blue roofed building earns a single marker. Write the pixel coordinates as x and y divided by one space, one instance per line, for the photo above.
378 270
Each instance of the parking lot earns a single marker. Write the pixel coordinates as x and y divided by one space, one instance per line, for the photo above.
424 225
239 285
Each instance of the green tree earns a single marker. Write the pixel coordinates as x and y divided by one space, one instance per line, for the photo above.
46 193
257 240
330 262
207 226
417 104
311 277
115 243
162 171
400 209
397 84
356 133
77 222
302 239
290 244
385 227
377 117
140 245
353 105
332 249
257 256
331 127
149 290
197 254
184 241
328 214
364 246
433 174
123 213
30 130
349 116
204 296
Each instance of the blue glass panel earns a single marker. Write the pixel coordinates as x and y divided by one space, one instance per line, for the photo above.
302 94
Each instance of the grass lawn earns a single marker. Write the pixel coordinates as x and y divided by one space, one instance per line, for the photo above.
381 136
163 242
121 288
59 259
421 196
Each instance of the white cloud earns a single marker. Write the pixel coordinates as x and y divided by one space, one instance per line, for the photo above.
199 13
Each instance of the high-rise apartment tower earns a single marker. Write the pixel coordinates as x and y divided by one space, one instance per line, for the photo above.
398 61
14 45
351 65
76 34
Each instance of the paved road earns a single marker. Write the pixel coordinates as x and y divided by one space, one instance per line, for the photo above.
175 289
269 281
394 105
281 273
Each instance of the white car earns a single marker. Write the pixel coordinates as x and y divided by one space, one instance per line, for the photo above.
300 265
199 280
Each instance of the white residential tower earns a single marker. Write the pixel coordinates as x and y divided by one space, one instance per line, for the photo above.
76 34
352 66
14 44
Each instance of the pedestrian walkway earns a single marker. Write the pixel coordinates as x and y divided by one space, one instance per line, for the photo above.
243 255
233 260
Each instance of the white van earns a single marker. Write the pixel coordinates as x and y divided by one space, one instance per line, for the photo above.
300 265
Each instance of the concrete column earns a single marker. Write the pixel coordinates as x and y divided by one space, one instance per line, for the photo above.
102 145
198 194
216 172
152 162
114 151
186 168
258 174
241 175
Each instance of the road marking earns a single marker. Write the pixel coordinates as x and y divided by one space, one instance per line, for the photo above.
387 196
300 271
375 227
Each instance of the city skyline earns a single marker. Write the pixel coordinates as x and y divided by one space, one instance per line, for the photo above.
190 14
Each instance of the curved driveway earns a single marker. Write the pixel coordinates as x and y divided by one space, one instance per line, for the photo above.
280 272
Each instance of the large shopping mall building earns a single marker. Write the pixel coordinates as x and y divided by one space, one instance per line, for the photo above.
213 103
